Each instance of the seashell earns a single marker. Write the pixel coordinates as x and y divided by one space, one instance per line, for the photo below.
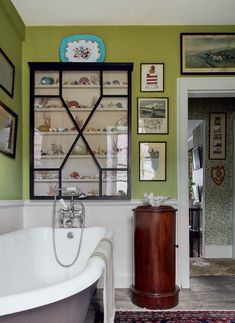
47 80
83 81
43 101
74 175
72 104
43 128
79 150
116 82
119 105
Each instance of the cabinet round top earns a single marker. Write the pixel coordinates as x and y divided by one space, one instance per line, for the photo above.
154 209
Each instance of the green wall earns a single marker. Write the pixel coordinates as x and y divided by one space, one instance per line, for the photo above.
137 44
11 36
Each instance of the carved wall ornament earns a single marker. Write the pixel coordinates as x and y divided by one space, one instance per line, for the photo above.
218 174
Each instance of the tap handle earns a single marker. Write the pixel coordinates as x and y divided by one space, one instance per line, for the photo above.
62 202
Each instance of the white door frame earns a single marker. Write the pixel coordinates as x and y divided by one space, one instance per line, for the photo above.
191 87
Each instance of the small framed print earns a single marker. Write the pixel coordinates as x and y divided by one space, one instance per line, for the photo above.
152 159
217 135
7 74
152 115
152 77
8 130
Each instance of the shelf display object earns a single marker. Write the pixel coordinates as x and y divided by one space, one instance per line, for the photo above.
80 129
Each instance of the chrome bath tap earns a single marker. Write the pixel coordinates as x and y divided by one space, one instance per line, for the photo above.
72 215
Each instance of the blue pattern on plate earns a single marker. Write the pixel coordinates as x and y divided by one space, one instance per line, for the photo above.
83 54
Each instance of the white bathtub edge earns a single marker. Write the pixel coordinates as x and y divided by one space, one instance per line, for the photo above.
36 298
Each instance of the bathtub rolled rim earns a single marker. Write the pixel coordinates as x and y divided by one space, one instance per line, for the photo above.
51 293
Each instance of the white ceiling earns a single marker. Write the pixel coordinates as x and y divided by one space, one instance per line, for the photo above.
126 12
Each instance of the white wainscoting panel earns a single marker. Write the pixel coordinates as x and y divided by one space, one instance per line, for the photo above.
11 215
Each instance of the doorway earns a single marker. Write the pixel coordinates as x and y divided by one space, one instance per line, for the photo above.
191 87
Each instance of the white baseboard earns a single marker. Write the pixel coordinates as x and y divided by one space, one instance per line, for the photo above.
218 251
123 280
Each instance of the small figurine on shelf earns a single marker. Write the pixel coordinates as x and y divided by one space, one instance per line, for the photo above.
57 149
94 79
52 188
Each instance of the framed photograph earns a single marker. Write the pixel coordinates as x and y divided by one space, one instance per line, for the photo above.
217 135
7 74
152 115
152 159
207 53
196 158
152 77
8 130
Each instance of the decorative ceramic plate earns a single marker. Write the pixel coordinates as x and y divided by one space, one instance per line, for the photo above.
82 48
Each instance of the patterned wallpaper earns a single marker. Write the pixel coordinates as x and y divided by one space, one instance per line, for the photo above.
218 199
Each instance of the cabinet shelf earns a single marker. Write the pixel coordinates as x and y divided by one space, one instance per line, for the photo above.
62 109
88 86
71 180
102 113
64 133
78 156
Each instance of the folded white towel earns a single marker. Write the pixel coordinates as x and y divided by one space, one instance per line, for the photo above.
104 250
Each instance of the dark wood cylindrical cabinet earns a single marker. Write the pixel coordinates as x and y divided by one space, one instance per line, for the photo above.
154 256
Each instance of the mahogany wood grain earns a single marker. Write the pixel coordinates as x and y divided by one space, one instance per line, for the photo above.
154 256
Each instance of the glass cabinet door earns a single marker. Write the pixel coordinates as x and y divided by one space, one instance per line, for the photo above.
80 129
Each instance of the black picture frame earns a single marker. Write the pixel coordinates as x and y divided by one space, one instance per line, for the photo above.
152 160
207 53
8 131
152 77
7 74
153 116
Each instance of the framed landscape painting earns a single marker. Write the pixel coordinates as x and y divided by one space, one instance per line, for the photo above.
208 53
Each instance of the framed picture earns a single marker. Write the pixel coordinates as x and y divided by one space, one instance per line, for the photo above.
152 77
152 115
8 130
196 158
217 135
7 74
152 159
207 53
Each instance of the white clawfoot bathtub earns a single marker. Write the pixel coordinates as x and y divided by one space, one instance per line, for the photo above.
35 288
